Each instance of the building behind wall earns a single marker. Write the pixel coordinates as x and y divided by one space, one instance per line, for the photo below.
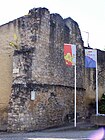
32 56
7 32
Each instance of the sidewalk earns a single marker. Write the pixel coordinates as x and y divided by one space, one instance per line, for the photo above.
79 126
83 131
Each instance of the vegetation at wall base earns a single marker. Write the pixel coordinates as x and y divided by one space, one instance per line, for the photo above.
102 104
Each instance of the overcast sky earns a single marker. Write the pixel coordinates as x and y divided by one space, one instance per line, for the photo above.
89 14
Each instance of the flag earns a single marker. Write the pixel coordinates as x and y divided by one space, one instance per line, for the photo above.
70 54
90 58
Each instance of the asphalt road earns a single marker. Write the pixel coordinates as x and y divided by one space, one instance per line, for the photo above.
51 134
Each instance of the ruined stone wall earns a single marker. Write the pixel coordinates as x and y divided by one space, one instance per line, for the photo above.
36 43
50 108
47 34
39 66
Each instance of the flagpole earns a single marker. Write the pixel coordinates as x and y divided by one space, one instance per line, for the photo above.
70 50
75 100
96 86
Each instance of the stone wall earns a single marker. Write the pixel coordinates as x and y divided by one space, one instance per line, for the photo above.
90 77
90 83
51 107
39 66
35 46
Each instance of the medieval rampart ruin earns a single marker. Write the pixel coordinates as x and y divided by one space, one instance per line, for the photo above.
32 61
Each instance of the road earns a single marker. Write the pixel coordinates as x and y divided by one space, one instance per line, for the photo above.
50 134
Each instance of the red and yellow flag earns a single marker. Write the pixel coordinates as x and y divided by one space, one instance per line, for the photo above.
70 54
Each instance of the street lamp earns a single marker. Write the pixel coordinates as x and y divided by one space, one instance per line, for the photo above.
87 38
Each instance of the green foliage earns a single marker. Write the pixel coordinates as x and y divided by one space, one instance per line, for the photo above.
102 104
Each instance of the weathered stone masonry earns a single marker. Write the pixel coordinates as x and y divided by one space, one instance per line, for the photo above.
39 65
36 42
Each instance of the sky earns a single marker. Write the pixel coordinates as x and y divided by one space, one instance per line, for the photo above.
89 14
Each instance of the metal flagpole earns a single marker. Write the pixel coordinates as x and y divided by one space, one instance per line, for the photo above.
90 55
75 100
70 50
96 85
